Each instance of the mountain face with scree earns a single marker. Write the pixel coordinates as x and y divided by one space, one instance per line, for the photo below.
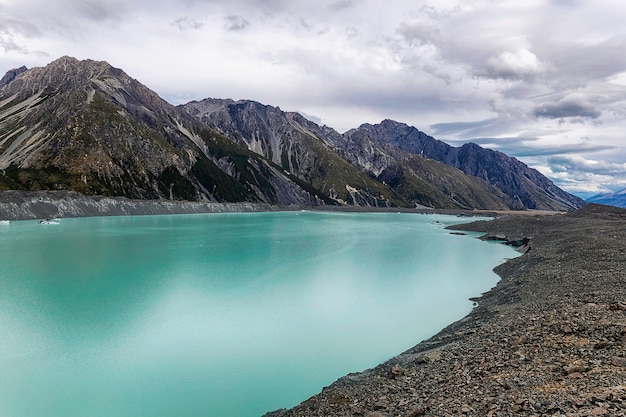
416 166
88 127
526 187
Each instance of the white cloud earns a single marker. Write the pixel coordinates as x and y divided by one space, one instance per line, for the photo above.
578 174
533 77
515 65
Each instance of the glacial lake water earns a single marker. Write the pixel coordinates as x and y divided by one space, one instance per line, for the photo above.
216 315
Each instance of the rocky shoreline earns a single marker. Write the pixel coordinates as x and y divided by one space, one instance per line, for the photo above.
30 205
548 340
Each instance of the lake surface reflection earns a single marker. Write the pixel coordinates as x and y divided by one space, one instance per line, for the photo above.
220 314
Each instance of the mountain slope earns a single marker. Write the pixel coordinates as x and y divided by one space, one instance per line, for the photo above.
616 199
417 167
89 127
285 139
524 185
428 181
311 152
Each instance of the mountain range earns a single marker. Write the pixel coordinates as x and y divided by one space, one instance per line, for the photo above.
86 126
617 199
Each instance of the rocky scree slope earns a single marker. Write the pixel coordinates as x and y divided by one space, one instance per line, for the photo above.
88 127
422 179
526 187
434 176
318 153
285 139
548 340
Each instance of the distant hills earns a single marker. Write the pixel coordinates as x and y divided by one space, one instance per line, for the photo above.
617 199
88 127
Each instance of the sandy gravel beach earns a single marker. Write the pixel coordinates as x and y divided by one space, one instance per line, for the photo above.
548 340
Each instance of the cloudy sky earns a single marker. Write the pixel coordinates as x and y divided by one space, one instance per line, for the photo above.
542 80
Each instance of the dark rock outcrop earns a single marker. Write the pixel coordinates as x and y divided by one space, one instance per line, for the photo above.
11 74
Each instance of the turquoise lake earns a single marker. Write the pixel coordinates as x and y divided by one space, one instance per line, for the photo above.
217 315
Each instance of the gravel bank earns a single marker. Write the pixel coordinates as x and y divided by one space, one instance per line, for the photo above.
548 340
25 205
30 205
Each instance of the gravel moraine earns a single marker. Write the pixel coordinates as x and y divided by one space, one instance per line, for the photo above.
548 340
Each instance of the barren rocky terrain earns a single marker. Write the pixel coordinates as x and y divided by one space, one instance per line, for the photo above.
548 340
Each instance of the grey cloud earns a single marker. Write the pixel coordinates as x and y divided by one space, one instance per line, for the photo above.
67 18
305 24
184 23
97 10
339 82
421 33
587 184
564 149
391 100
11 27
569 106
528 147
92 10
455 127
543 60
341 4
517 142
570 164
492 126
577 64
235 23
565 3
9 45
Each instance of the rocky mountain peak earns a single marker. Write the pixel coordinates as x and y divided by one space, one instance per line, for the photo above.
63 74
11 75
